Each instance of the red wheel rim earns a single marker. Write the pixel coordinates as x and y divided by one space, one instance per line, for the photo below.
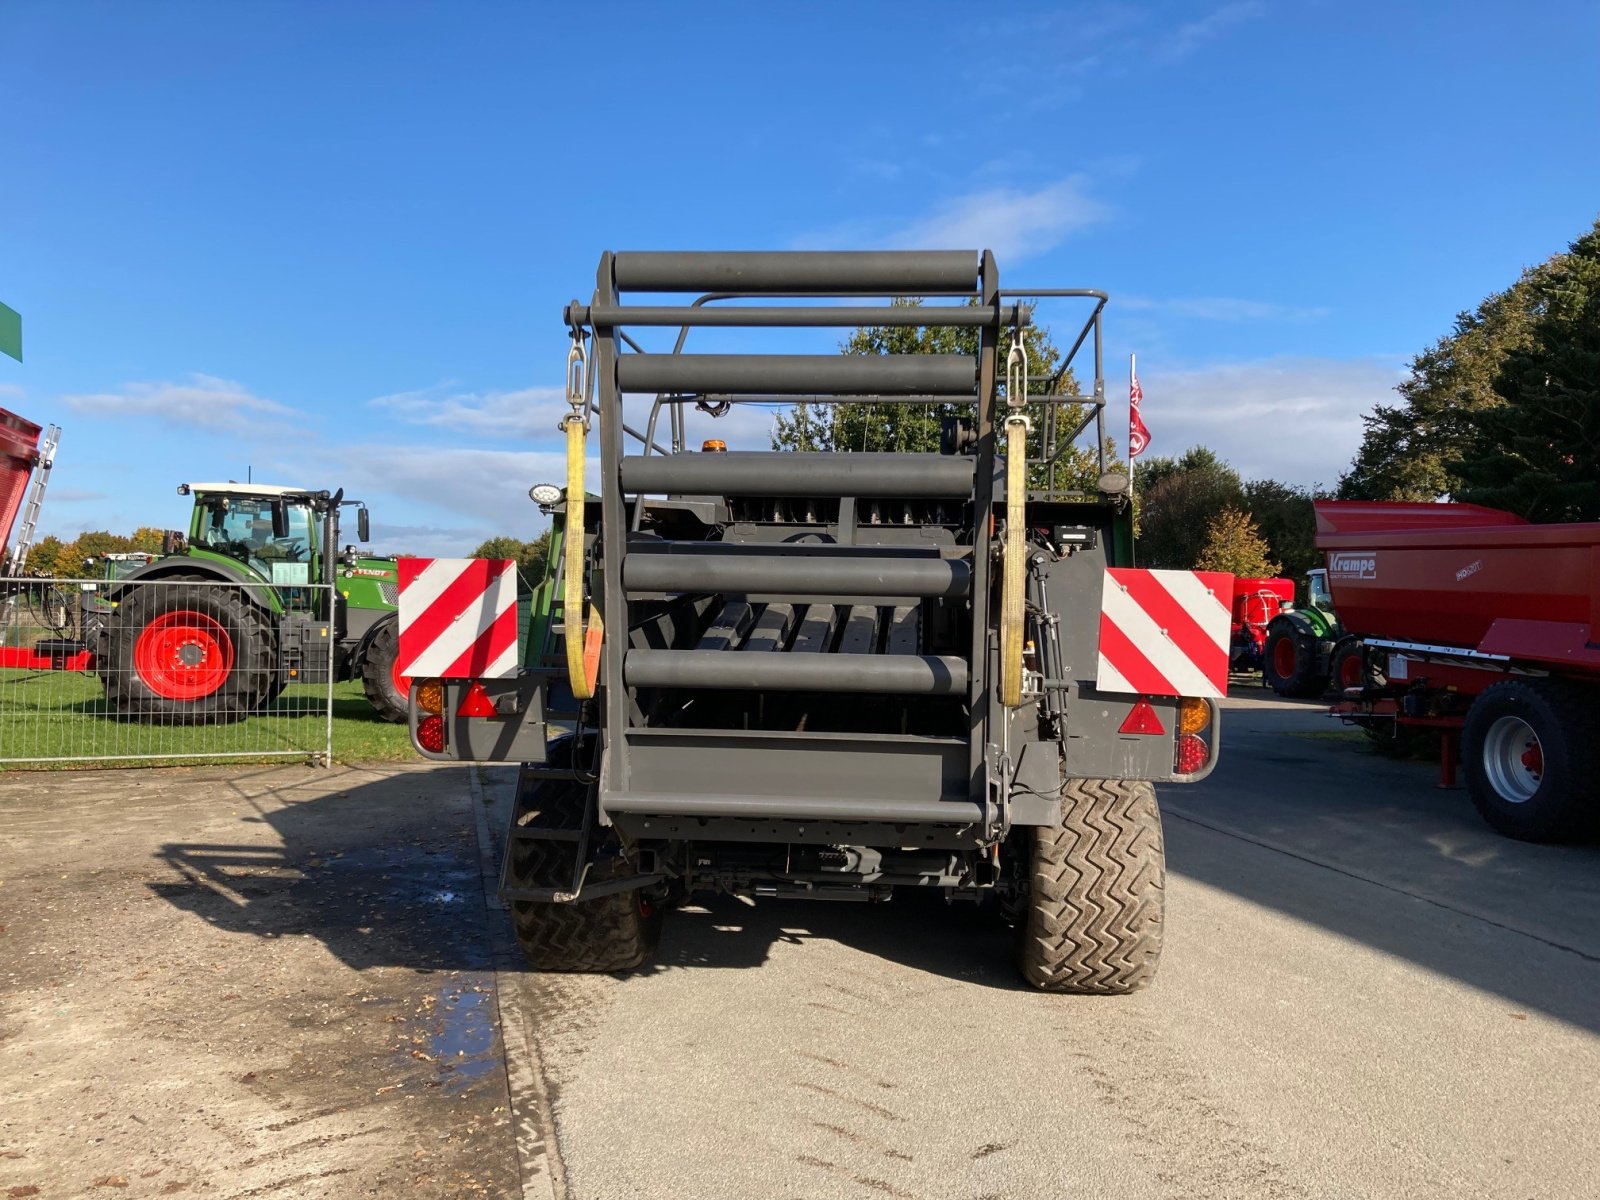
183 655
402 683
1350 671
1283 657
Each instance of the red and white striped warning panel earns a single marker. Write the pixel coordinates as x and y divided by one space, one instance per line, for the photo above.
458 618
1164 633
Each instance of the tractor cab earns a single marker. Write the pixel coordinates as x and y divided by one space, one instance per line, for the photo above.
1317 594
272 530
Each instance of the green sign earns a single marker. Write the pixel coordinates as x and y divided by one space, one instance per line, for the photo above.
11 332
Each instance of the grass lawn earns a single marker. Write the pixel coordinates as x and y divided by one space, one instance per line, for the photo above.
61 714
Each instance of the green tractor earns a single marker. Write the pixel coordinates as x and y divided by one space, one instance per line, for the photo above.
1307 649
250 601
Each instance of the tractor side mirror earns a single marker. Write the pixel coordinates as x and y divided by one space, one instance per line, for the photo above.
280 519
363 526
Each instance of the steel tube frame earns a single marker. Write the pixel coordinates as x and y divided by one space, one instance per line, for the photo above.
801 473
796 575
805 808
840 272
763 316
887 674
899 374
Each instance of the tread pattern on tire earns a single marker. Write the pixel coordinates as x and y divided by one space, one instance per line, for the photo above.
612 933
248 686
1096 891
376 679
1306 682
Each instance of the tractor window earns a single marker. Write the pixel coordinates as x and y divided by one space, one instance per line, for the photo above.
1317 590
241 527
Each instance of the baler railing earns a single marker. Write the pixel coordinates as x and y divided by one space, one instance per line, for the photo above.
836 272
896 374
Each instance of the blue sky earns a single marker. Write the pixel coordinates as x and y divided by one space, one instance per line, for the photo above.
330 243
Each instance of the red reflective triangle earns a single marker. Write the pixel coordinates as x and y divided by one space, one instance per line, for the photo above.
1142 719
476 703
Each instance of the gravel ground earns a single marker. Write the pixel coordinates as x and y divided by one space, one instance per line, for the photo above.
288 982
257 982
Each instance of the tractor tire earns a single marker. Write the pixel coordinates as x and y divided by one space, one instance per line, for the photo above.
1095 891
1530 760
388 692
611 933
187 656
1289 662
1347 668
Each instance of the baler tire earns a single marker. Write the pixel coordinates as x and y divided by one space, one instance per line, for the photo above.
611 933
251 640
1561 718
377 675
1304 681
1095 891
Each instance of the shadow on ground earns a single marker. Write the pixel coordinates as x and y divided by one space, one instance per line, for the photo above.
387 872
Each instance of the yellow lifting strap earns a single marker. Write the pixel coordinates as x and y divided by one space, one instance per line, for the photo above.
1013 562
583 639
583 643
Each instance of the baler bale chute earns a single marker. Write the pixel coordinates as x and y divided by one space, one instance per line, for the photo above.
838 673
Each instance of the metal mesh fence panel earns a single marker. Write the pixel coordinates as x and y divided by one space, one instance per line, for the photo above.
93 670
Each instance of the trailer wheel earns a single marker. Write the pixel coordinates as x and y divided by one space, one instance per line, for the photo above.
387 690
188 656
612 933
1289 662
1530 760
1094 890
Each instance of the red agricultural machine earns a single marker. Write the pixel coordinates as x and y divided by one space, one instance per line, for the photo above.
1255 603
1485 630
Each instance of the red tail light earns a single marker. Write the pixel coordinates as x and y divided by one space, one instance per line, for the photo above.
1193 753
430 734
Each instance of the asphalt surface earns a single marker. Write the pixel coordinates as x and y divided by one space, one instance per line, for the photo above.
293 983
1364 993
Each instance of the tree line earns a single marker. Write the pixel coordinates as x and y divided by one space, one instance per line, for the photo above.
65 560
1504 410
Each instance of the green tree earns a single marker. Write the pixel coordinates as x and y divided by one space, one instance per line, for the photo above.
1286 519
147 538
1412 450
1176 507
1538 452
915 428
530 557
1235 545
45 557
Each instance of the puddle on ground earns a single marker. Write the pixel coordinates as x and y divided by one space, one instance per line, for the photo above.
461 1035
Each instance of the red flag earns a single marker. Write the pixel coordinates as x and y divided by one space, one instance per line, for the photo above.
1138 435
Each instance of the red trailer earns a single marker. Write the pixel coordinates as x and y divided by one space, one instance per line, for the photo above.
19 450
1483 627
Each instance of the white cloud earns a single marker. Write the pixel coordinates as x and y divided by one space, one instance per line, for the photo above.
490 486
528 413
204 402
1188 38
1221 308
1293 419
10 389
1015 223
